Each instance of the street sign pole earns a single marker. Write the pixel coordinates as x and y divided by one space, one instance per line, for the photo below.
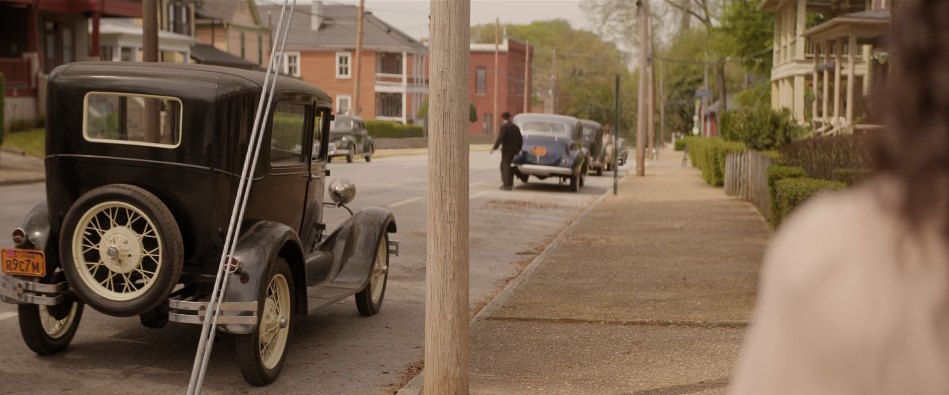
616 135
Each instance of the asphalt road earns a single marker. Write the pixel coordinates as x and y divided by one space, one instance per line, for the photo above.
337 350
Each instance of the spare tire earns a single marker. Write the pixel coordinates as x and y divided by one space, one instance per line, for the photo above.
121 250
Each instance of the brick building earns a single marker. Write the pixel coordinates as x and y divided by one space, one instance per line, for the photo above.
512 60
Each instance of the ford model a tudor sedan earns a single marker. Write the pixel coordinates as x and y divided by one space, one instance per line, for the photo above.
349 138
142 168
553 147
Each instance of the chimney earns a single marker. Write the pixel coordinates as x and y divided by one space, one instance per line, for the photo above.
316 19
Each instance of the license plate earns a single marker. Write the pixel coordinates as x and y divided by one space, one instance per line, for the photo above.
24 262
539 151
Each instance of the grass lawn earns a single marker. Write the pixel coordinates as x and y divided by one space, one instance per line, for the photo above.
33 141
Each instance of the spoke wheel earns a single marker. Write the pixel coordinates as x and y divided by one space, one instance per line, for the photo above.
262 353
369 300
122 250
49 330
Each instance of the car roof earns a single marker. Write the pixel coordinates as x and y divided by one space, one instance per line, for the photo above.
535 116
589 122
182 72
346 116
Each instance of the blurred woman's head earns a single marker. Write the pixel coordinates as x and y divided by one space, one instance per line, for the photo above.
915 148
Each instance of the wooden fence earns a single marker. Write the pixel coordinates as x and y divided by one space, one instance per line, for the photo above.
746 177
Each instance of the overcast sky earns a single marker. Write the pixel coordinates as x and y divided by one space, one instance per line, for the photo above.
411 16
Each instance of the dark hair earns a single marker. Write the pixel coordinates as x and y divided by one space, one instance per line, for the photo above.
505 115
915 147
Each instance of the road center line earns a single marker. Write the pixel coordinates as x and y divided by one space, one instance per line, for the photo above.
8 314
406 201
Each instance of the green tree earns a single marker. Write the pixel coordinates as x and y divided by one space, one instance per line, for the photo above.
749 34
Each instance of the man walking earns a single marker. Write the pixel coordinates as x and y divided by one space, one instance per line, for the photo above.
510 138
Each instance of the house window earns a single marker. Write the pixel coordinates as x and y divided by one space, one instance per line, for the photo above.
243 46
291 64
389 105
343 64
480 77
344 104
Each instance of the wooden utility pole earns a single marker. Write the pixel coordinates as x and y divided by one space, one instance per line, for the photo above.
662 109
446 274
651 88
553 90
642 118
357 67
497 75
527 75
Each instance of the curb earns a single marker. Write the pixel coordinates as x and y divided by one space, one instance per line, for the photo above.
415 386
32 180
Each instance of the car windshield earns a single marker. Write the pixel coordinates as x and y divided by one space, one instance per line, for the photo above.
541 126
342 125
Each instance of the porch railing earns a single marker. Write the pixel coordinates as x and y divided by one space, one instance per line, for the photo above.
15 71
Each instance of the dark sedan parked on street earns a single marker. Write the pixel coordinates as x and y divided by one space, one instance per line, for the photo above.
553 147
349 138
143 164
593 142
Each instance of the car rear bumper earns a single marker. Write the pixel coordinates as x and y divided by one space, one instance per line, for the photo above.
338 152
15 290
544 171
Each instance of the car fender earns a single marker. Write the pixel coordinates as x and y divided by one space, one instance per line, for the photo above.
38 236
353 245
258 246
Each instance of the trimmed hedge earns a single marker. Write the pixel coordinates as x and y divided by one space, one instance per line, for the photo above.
852 177
680 145
389 129
708 154
822 156
792 192
775 174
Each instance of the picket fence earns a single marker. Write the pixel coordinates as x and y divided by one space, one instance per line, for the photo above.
746 177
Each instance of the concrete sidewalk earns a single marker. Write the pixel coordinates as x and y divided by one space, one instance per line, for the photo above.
18 168
648 292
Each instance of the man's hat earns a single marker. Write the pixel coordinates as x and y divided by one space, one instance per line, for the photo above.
506 115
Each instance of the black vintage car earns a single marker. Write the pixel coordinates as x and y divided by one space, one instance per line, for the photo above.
553 147
143 164
349 138
593 142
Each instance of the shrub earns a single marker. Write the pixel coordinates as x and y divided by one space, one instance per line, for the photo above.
680 145
708 154
3 90
821 156
852 176
775 174
792 192
389 129
759 128
24 124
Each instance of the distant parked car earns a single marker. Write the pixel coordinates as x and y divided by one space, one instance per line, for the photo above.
622 151
553 147
593 142
349 138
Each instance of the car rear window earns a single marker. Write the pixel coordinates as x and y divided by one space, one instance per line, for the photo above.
124 118
538 126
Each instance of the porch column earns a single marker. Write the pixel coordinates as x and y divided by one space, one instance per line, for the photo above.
825 98
838 56
798 97
405 87
852 52
814 79
95 51
801 25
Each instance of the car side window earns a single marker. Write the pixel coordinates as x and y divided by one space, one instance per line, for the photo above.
288 134
123 118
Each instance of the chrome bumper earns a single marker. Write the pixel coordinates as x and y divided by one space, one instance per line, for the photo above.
15 290
232 313
544 171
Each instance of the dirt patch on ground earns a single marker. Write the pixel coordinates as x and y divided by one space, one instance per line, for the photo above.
410 372
520 205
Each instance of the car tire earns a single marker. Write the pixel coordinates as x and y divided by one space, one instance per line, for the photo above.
262 353
329 159
599 170
369 299
349 156
121 250
49 330
371 151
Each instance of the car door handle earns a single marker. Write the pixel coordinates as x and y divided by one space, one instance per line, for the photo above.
314 176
